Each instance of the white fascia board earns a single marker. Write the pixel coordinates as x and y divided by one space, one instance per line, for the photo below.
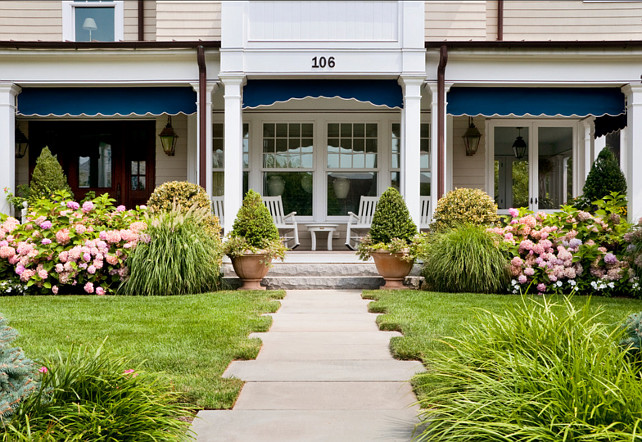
103 67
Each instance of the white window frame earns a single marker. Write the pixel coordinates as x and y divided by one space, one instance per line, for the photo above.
532 126
69 13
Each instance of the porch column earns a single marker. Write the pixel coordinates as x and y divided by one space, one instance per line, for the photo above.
233 147
588 148
209 90
410 140
600 143
435 161
633 155
8 93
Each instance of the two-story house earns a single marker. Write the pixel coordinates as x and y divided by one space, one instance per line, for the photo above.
323 101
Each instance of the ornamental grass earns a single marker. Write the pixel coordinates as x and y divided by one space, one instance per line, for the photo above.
537 372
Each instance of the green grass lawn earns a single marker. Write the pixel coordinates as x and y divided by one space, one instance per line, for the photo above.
191 339
425 317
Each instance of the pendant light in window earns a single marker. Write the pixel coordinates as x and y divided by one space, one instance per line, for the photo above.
520 149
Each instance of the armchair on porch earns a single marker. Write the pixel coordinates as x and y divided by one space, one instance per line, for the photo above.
217 208
424 218
360 221
286 223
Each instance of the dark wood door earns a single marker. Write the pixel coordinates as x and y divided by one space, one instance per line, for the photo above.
115 157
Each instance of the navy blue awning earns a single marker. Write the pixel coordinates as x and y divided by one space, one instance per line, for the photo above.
378 92
536 101
106 101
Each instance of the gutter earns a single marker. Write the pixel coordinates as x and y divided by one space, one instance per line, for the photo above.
483 44
500 20
77 45
202 117
141 20
441 118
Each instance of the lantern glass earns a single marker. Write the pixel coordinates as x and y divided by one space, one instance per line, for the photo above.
22 144
168 138
471 138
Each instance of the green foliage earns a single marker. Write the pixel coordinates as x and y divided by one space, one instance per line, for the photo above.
392 219
538 372
22 194
16 373
464 206
98 396
186 195
465 259
180 257
604 178
47 177
632 335
254 230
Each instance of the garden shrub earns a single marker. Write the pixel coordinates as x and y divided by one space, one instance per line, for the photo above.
16 373
47 177
254 222
392 219
604 178
570 250
186 195
633 240
465 259
68 247
96 396
180 257
537 372
464 206
632 336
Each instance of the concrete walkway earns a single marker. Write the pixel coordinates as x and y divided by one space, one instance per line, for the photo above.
324 373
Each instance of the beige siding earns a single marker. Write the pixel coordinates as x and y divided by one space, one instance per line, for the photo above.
456 20
468 171
172 168
572 20
131 20
32 20
188 20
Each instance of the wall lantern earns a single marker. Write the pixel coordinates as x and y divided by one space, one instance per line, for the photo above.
22 143
471 138
519 145
168 138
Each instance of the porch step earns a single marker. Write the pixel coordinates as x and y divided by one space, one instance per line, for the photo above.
313 276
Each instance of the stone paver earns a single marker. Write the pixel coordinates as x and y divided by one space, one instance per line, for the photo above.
324 373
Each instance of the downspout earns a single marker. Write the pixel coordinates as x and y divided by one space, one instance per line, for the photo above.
500 20
141 20
441 116
202 133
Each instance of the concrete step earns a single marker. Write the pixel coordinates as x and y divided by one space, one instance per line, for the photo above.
314 269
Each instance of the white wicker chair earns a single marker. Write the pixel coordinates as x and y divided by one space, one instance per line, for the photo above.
424 219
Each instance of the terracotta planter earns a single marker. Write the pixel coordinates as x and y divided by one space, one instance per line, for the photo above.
251 268
392 268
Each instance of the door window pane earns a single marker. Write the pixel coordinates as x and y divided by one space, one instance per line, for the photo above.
511 173
137 172
95 171
554 170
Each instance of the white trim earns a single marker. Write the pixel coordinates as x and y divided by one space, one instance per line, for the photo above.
68 14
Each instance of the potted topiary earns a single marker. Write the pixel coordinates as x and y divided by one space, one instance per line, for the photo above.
392 241
253 242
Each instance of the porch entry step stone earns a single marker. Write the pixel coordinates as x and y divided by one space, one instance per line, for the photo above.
326 396
303 425
313 282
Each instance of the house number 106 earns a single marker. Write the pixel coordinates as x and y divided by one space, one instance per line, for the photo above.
321 62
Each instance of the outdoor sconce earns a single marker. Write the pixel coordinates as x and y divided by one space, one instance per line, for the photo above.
22 143
471 138
519 145
168 138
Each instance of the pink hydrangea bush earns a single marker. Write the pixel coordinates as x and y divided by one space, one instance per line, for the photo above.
67 246
569 250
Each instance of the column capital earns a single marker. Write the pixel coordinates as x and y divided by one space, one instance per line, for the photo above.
210 87
8 93
432 85
233 79
633 90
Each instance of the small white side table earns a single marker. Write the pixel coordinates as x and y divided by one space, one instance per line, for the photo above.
323 227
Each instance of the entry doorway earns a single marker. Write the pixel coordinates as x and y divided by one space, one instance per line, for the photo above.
115 157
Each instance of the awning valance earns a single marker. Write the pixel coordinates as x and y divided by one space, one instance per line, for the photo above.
535 102
607 124
106 101
377 92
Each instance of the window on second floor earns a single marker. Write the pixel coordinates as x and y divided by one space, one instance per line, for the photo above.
92 20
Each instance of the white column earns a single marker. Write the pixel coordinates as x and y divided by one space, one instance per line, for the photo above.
600 143
192 148
588 148
434 119
410 140
233 147
633 153
8 93
210 88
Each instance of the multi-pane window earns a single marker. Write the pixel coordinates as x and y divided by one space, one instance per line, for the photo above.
218 158
352 165
138 175
288 165
424 148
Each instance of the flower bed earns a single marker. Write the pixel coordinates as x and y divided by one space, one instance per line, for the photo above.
570 250
69 247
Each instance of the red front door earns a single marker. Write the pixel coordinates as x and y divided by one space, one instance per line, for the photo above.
115 157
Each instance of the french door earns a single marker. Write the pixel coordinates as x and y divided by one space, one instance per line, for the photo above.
532 163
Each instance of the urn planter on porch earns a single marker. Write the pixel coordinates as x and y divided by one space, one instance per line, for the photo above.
393 267
253 242
251 268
